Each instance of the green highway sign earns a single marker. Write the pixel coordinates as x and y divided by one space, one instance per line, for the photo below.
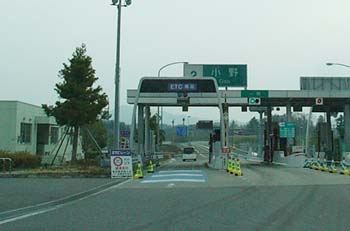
287 129
226 75
255 93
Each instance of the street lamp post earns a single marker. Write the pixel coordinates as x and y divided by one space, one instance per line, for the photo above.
158 115
174 131
116 127
338 64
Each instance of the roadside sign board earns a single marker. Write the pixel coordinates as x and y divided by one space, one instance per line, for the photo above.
121 164
287 129
226 75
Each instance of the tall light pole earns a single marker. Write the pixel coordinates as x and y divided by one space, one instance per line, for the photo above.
116 127
158 115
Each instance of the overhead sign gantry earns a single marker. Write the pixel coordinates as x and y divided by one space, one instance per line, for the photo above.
169 91
328 95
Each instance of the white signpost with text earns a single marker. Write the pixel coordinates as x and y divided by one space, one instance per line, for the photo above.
121 164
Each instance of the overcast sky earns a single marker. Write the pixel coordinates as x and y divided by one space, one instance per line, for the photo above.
279 40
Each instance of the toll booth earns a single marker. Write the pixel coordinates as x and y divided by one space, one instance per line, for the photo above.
217 160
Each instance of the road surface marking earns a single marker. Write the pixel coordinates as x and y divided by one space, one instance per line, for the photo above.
173 180
176 174
203 155
181 171
52 208
57 200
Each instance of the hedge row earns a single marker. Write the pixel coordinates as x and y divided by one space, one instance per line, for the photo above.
21 160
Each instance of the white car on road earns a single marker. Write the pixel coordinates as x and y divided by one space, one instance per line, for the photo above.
189 154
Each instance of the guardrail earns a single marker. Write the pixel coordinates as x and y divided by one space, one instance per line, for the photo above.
4 164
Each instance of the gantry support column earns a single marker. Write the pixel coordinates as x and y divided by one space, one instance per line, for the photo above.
290 141
329 150
261 134
268 137
347 127
140 129
147 131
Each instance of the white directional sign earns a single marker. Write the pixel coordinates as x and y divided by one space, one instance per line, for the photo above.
193 70
121 164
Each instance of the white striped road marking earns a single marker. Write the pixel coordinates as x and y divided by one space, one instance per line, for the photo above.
176 174
180 171
173 180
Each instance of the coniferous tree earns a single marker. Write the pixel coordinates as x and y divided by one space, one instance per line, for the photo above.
80 102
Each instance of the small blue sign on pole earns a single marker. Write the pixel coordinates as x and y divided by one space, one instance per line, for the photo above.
124 133
181 131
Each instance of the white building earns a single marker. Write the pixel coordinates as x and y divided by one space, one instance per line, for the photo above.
26 127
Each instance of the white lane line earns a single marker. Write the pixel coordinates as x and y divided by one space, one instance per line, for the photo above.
180 171
105 190
173 180
30 214
57 200
175 174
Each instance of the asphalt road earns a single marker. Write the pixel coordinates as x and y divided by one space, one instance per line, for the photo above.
189 196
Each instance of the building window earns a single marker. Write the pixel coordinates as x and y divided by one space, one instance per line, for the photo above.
54 135
26 133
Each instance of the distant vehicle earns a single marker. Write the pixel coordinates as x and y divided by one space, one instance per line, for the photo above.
188 154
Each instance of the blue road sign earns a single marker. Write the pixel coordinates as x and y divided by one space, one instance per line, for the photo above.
124 133
121 152
181 131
